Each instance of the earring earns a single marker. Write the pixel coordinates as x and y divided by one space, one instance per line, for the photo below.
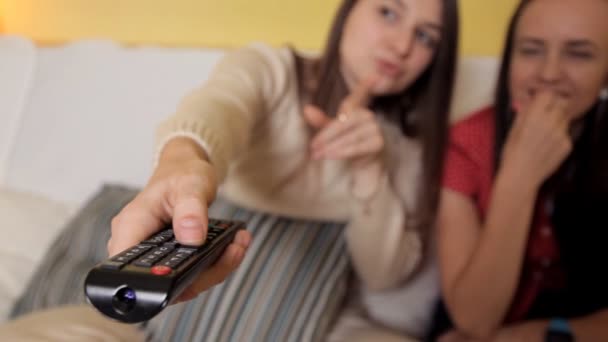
604 94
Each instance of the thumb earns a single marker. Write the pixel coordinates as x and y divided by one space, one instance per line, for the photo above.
315 117
190 218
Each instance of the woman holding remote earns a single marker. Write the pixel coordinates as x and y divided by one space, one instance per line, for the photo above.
522 220
354 136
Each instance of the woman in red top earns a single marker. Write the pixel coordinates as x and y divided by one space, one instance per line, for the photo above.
523 219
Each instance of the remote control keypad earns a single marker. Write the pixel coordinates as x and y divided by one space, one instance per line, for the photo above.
162 250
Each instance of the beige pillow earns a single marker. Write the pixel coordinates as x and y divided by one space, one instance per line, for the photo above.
29 224
69 324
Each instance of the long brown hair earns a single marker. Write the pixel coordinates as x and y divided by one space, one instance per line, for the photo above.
579 189
421 110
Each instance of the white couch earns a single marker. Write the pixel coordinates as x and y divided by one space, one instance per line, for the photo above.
75 116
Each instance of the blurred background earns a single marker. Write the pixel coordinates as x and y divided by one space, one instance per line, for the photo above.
218 24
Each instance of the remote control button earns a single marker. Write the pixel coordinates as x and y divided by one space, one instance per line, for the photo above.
130 254
187 250
176 258
212 235
144 262
214 222
160 270
153 256
173 241
121 259
112 265
224 225
158 239
166 232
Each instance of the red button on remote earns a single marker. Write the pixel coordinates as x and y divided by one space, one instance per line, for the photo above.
160 270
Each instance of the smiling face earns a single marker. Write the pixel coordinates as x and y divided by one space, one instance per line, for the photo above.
393 41
561 46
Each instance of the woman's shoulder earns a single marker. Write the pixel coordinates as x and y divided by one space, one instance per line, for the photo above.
479 118
469 158
266 70
475 129
261 56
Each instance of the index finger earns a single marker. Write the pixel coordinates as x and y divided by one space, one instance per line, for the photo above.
559 110
362 93
542 102
537 109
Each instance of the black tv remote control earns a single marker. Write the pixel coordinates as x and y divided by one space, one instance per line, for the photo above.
140 282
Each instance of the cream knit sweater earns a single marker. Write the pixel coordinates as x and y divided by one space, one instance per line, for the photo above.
249 120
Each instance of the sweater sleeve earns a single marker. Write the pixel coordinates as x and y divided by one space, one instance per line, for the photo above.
383 250
221 114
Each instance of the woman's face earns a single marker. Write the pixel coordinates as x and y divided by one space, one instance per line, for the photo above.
392 41
561 46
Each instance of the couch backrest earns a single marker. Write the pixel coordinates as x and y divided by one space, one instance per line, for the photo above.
90 115
78 115
17 61
475 84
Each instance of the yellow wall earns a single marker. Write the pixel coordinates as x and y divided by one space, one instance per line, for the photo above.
1 16
483 25
173 22
218 23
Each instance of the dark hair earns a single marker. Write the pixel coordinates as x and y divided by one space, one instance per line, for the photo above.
579 189
421 110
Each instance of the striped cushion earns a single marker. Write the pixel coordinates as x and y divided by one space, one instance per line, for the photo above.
290 286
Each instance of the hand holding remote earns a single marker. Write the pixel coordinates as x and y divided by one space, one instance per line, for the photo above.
138 283
180 190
